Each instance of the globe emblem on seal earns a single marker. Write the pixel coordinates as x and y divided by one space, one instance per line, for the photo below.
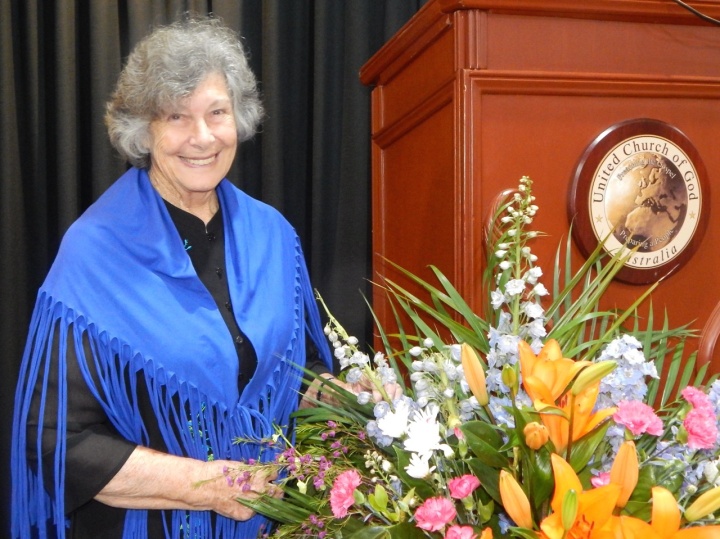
646 197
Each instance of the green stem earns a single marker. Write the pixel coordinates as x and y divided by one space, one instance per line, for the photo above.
570 427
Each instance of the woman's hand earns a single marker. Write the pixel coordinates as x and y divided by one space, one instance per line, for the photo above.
232 484
321 390
153 480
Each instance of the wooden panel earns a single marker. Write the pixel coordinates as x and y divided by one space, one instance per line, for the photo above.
542 128
414 199
598 46
420 77
646 11
709 349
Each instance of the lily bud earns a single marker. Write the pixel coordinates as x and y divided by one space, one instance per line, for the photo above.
536 435
624 472
707 503
509 377
514 500
569 509
486 534
474 373
591 375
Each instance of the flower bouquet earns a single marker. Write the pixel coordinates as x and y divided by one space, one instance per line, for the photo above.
541 420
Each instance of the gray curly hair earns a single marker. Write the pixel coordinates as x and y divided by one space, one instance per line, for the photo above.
166 67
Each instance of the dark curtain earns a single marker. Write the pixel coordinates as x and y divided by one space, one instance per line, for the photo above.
59 60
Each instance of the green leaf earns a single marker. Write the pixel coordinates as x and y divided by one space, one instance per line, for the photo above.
524 533
379 499
404 530
281 511
484 442
489 478
639 504
584 448
540 476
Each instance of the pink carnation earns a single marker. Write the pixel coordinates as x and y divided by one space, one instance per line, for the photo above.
461 487
697 398
638 418
435 513
600 480
701 426
460 532
341 494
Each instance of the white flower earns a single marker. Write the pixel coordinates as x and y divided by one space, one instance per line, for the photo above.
504 265
358 358
536 328
540 290
497 298
533 310
710 471
500 253
428 342
429 366
395 423
514 287
364 397
419 466
415 351
533 274
354 375
423 431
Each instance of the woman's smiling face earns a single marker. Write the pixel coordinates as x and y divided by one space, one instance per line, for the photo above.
194 143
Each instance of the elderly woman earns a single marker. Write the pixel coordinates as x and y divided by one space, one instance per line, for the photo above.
172 323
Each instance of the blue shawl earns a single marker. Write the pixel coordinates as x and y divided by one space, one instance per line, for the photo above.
123 280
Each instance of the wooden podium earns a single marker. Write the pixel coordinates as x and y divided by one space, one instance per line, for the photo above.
471 95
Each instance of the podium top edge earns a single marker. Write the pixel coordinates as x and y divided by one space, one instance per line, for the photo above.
434 12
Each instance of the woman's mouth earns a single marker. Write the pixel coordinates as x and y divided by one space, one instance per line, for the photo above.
199 161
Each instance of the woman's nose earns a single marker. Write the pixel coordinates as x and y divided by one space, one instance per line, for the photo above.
202 134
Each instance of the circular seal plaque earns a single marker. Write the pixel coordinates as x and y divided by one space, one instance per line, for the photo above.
640 186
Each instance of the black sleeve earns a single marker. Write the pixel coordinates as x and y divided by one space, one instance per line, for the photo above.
95 450
313 361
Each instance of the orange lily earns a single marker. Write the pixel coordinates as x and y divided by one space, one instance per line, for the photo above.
514 500
580 408
666 519
547 375
625 471
594 507
665 523
474 373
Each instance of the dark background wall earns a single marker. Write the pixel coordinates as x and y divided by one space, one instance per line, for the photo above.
59 60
